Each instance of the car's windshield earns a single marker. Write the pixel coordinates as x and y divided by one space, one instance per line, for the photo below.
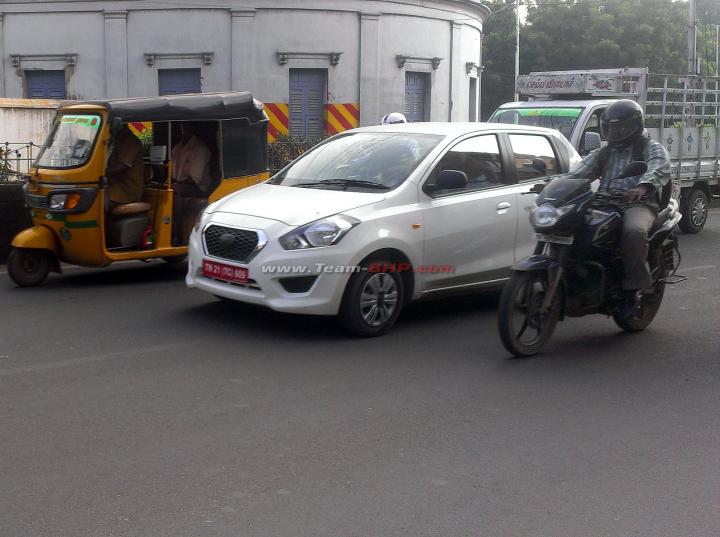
562 119
379 161
70 141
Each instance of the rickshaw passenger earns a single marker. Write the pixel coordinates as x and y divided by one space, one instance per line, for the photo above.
124 170
192 178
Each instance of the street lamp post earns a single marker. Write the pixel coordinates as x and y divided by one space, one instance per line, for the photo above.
517 48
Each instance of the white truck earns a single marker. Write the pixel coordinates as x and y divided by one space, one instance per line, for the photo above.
681 112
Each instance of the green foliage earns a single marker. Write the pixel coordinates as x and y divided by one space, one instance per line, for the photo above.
286 149
565 35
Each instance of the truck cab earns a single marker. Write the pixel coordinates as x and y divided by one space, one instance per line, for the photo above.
573 118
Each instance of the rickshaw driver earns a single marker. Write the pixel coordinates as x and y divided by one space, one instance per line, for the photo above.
191 175
124 170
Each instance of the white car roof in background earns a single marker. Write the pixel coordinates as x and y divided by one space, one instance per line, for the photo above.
454 129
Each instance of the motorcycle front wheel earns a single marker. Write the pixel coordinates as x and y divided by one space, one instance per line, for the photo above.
524 328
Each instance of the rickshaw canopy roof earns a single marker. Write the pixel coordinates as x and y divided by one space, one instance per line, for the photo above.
189 107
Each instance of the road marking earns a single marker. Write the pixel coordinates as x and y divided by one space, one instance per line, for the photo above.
701 267
90 359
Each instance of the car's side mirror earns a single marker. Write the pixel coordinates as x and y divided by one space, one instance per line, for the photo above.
591 141
539 165
115 125
451 179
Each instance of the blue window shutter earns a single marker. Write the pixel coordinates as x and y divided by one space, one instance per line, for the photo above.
307 102
43 84
176 81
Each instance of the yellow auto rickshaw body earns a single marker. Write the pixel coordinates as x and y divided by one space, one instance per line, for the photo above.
67 187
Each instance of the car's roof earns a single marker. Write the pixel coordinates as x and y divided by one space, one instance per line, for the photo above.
453 129
567 103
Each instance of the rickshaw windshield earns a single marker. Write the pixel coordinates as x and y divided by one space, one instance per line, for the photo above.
70 142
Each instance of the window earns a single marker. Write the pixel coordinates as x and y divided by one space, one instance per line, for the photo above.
417 96
307 102
478 158
45 84
176 81
472 108
528 149
70 142
359 161
592 125
562 119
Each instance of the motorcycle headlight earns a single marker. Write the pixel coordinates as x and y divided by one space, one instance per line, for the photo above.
547 215
57 201
324 232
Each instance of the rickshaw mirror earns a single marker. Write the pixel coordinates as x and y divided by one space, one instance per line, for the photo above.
115 126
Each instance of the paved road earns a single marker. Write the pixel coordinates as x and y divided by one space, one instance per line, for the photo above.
132 406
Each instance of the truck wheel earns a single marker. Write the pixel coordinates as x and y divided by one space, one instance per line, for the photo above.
28 267
695 211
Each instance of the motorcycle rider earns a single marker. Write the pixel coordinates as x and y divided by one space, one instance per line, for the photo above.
392 118
623 126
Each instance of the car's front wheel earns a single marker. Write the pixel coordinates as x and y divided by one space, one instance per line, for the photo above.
373 299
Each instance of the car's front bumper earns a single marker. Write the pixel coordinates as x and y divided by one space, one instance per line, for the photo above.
268 267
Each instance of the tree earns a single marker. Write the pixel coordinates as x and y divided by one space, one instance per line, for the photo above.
498 77
587 34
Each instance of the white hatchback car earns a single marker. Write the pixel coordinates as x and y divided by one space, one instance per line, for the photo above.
378 216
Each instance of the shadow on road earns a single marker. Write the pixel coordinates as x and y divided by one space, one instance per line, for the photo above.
119 275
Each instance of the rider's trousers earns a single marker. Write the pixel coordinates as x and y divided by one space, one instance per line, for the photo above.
637 222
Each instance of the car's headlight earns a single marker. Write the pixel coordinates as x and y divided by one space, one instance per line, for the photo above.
547 215
325 232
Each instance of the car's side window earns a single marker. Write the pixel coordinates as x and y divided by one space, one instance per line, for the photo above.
531 151
478 158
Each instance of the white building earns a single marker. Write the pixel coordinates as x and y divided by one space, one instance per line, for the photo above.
320 65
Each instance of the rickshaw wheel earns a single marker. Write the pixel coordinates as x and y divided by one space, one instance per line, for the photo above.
28 267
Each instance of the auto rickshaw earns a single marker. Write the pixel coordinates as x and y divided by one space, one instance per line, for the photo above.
67 185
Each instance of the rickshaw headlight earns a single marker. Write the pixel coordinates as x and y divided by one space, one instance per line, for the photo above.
57 201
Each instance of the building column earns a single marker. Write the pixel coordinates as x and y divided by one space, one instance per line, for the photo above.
242 56
2 57
369 82
116 55
458 78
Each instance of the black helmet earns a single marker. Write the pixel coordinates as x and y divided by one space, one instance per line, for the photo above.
622 122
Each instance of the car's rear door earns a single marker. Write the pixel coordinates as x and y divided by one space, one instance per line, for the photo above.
469 232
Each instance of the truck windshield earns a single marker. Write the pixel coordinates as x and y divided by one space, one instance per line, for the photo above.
562 119
70 141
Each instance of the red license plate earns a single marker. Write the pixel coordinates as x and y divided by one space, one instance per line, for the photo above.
227 273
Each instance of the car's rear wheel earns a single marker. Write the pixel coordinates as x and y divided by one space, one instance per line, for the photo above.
373 299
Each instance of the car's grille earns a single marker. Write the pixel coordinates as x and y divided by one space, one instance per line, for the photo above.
36 202
230 243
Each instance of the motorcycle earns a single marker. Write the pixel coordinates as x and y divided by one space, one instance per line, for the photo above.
576 268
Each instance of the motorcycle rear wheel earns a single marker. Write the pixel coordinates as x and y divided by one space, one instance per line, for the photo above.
650 302
519 315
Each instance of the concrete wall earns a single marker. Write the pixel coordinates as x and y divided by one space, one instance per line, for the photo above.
103 46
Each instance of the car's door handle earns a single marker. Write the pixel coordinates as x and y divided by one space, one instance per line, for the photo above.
503 206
